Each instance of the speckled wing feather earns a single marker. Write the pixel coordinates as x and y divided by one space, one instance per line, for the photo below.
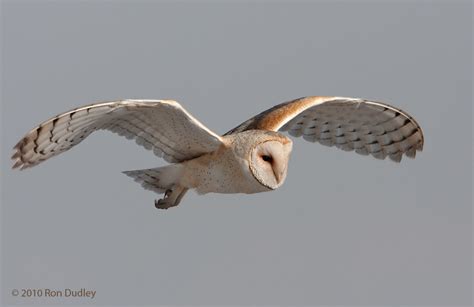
162 126
367 127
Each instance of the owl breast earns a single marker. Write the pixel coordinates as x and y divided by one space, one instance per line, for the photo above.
220 172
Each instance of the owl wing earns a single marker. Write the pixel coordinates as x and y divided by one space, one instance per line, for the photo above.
163 126
367 127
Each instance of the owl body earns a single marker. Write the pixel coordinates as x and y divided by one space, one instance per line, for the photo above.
231 169
251 158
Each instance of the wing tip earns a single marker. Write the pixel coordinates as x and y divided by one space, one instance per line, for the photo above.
397 157
16 155
20 165
419 146
20 144
128 173
17 164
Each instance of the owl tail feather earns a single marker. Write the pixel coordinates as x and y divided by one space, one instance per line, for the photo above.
161 180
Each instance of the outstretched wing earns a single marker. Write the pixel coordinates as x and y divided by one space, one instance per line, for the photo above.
348 123
163 126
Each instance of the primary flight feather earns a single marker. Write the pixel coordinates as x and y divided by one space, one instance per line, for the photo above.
253 157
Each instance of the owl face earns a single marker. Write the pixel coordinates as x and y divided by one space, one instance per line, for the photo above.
269 162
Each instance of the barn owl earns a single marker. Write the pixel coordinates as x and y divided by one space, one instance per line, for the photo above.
251 158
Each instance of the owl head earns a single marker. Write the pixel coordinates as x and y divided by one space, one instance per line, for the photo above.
268 154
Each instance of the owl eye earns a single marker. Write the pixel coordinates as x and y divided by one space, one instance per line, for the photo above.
267 158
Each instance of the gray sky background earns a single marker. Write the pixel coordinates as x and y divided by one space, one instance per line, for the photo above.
344 229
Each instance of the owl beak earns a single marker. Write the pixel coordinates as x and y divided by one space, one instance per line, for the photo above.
279 177
279 174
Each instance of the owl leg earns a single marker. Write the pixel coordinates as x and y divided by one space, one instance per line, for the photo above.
172 197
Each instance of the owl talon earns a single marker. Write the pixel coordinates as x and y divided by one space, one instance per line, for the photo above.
171 198
164 203
161 204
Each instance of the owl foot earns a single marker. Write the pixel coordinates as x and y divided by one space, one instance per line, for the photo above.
171 198
164 203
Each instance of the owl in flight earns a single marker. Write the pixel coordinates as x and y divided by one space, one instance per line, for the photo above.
251 158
